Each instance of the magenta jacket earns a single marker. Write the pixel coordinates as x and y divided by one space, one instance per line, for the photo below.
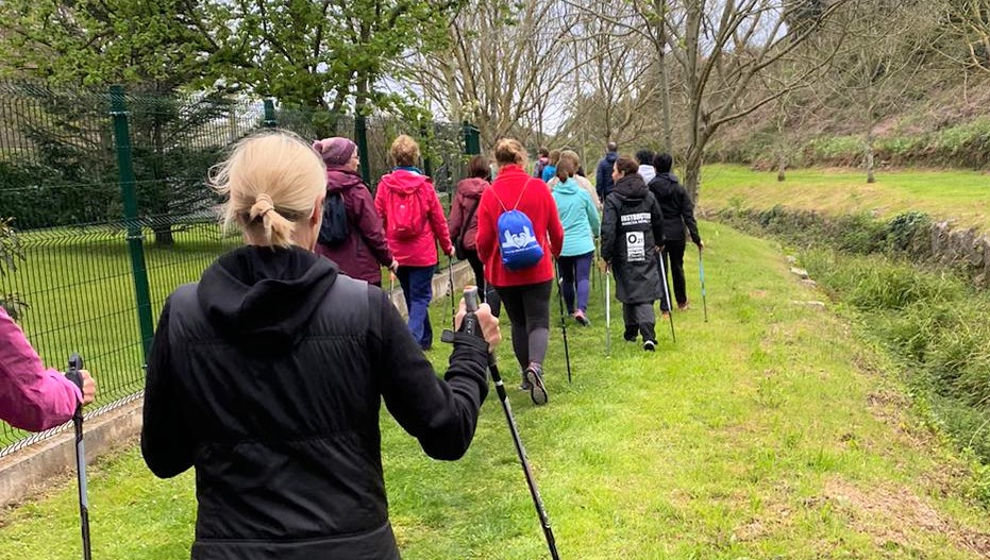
31 397
421 250
365 251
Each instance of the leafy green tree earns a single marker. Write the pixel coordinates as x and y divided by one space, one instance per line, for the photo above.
10 254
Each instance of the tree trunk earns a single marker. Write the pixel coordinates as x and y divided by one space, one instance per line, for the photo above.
668 127
870 164
692 172
162 220
781 168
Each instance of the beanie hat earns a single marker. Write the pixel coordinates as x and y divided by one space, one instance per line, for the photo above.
336 150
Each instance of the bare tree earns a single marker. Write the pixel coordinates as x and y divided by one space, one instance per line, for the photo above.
885 40
502 66
970 21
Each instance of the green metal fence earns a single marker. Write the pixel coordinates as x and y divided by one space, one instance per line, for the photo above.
106 192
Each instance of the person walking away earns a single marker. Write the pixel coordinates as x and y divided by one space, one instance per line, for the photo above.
581 226
678 218
632 235
603 176
35 398
414 222
463 225
646 169
541 162
550 171
267 377
351 235
518 252
583 182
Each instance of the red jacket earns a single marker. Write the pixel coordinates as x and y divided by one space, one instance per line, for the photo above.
364 252
537 203
420 250
468 197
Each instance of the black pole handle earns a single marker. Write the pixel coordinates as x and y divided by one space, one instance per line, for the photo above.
74 375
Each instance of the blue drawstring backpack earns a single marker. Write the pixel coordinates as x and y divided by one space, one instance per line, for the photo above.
519 246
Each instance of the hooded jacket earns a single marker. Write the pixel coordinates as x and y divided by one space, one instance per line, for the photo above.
579 218
33 398
511 186
585 184
420 250
364 251
647 172
677 207
267 376
465 206
631 232
603 176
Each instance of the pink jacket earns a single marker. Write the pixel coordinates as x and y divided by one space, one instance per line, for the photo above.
31 397
421 249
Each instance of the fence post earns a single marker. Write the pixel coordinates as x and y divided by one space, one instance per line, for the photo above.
472 139
424 141
135 236
270 120
361 139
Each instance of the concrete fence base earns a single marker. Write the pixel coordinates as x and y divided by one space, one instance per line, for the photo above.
25 473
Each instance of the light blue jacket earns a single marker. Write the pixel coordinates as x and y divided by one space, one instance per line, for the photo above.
579 216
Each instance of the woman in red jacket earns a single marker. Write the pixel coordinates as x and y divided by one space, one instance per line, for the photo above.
362 254
414 222
525 293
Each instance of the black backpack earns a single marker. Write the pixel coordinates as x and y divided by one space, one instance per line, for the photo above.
334 229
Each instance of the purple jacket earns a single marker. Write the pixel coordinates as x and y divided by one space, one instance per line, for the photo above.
31 397
365 251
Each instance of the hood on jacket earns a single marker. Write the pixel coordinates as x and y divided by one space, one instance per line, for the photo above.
261 298
340 179
570 186
664 184
404 181
472 187
631 188
611 157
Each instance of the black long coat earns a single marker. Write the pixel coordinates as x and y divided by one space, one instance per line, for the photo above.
632 230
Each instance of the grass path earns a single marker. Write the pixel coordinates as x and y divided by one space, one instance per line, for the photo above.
962 196
769 432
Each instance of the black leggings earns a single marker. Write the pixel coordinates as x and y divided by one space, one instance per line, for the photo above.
487 293
529 312
673 252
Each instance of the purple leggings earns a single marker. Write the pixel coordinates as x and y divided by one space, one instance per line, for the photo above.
576 272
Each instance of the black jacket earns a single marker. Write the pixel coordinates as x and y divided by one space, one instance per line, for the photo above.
267 377
632 229
677 207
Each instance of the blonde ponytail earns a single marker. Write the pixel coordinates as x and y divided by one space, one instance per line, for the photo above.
272 181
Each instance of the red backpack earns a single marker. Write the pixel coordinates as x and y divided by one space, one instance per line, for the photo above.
405 214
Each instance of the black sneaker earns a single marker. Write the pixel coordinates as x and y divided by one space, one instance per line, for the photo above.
537 391
525 385
650 346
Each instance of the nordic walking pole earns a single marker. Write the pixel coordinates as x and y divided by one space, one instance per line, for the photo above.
471 325
450 279
74 375
666 294
608 311
701 272
563 321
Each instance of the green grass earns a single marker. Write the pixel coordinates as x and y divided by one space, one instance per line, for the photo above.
770 432
962 196
80 293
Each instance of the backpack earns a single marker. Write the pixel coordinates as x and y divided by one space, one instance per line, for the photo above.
519 246
459 250
405 214
335 229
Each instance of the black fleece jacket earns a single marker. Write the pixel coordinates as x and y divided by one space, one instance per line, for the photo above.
267 377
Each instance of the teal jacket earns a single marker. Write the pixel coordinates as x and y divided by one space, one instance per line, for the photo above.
579 216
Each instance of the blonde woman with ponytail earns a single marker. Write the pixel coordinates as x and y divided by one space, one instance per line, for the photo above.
268 374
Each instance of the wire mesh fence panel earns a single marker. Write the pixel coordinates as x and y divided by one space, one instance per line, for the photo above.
84 270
